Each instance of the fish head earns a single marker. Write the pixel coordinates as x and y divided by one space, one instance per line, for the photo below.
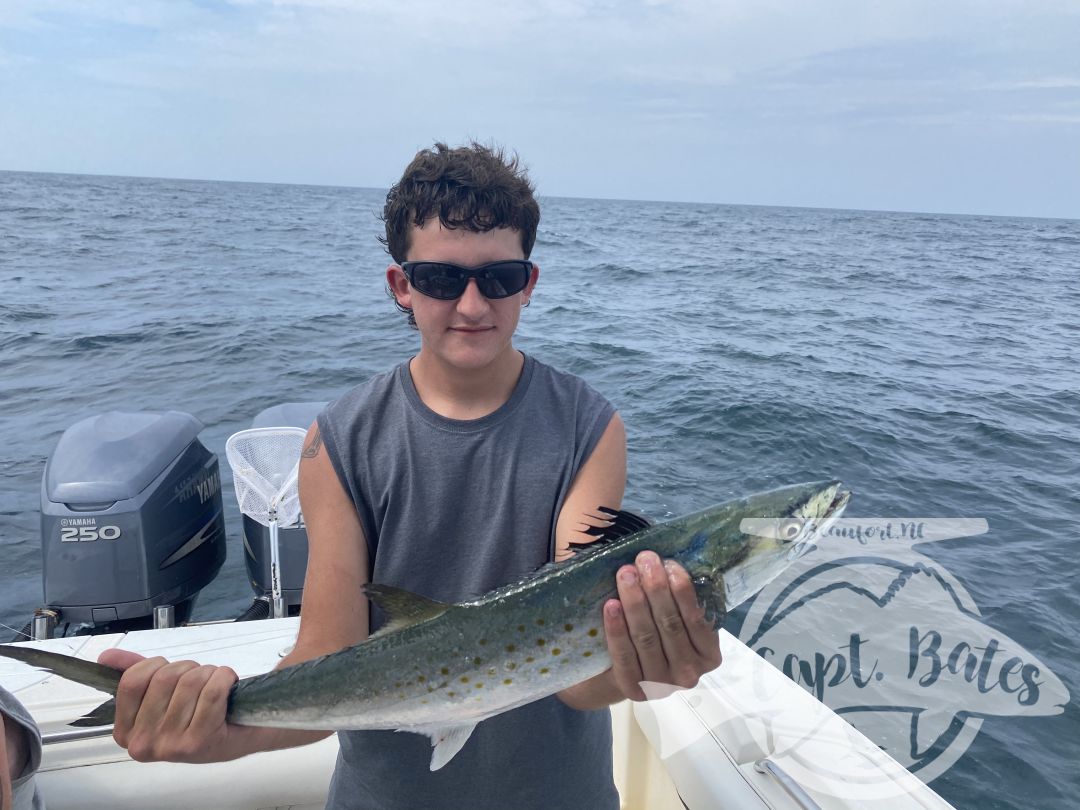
748 543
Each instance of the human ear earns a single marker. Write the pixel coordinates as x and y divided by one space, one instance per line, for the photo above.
398 284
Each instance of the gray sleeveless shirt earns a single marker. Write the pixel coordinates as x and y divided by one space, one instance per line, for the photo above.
452 509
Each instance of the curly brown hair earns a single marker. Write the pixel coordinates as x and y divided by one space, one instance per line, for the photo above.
474 187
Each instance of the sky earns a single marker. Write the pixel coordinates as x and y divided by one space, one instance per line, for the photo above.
959 106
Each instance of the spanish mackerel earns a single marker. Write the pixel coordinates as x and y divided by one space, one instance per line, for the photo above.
439 669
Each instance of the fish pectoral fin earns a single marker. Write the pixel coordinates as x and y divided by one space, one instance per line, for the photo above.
402 607
445 740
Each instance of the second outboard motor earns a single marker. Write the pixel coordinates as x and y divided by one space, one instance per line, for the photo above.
131 519
292 540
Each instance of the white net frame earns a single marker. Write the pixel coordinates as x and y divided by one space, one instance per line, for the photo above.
265 464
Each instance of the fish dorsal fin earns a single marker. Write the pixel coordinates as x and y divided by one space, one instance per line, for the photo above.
608 527
446 741
611 524
403 608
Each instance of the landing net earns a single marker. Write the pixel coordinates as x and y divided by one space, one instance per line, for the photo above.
265 463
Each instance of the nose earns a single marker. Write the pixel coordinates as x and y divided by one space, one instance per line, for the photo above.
472 303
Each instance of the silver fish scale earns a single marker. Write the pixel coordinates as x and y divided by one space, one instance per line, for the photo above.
480 675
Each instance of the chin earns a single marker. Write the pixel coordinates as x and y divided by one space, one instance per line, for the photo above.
470 358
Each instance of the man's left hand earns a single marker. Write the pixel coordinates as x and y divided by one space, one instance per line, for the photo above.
656 631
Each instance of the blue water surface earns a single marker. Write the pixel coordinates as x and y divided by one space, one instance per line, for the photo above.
929 361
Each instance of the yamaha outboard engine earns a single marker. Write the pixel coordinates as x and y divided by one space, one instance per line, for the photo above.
131 519
292 540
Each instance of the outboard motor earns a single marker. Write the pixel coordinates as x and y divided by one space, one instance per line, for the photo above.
292 540
131 519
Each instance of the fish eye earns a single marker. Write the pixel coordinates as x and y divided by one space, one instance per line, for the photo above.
789 529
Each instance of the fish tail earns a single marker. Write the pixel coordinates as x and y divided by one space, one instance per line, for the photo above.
103 715
88 673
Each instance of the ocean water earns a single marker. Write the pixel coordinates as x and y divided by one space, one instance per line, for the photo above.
928 361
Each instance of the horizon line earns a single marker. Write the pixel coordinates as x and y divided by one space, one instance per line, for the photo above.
560 196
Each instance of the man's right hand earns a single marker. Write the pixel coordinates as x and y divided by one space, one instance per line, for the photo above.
175 711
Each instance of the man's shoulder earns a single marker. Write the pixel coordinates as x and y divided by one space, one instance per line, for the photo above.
361 398
565 384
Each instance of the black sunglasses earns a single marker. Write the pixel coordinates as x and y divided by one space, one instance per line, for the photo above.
447 281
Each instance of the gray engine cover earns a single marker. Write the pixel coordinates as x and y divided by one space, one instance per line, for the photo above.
131 516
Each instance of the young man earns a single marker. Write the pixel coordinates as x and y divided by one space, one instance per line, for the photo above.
20 756
460 470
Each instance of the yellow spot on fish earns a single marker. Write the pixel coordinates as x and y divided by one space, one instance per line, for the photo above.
479 686
483 641
511 647
451 694
555 651
540 642
544 670
587 653
444 671
424 700
397 685
540 622
420 679
508 681
529 660
430 689
593 632
511 665
477 661
464 678
568 627
521 628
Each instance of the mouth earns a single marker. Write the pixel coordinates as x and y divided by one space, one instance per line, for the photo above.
839 502
471 330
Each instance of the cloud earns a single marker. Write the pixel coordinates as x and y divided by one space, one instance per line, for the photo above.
562 79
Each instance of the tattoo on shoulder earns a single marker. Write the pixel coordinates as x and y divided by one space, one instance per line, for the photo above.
312 449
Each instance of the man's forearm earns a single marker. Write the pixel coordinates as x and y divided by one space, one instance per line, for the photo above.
598 692
274 739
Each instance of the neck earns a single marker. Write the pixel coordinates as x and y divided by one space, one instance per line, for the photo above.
466 394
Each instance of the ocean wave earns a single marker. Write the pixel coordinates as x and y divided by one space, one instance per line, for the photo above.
103 341
21 314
